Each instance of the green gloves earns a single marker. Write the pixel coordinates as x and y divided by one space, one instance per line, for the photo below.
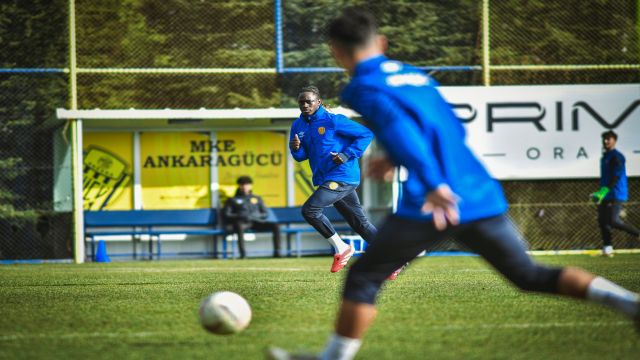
599 195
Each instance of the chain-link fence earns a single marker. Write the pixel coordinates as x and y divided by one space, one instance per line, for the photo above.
32 226
222 54
558 214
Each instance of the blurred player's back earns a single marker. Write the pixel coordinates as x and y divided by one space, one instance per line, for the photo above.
430 128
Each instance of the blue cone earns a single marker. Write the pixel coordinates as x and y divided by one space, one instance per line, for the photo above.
101 253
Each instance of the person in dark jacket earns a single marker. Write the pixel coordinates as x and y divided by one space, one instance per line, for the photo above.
246 211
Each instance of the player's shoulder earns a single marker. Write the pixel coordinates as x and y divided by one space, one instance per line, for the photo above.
296 122
334 117
618 155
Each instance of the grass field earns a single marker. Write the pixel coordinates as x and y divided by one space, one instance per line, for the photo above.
440 308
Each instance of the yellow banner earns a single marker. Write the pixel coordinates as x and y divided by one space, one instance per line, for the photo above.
108 159
303 184
260 155
171 177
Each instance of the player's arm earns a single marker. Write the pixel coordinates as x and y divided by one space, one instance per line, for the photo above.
617 170
360 134
401 137
295 146
264 213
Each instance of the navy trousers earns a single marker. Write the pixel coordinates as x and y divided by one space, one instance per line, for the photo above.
401 240
345 199
609 218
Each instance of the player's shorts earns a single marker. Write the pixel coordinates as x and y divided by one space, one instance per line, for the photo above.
400 240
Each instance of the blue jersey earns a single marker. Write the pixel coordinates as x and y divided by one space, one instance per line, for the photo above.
612 166
419 130
323 133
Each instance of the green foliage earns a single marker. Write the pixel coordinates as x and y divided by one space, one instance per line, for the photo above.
32 34
439 308
176 34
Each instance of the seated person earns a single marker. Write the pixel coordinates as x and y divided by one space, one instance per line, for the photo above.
247 211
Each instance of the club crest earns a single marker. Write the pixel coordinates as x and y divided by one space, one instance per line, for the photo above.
321 130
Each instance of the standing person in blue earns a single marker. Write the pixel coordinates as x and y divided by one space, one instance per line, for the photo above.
448 192
333 144
612 193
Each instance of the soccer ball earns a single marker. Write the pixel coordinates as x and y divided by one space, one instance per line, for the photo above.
224 313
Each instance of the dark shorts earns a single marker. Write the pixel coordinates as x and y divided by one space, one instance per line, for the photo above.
400 240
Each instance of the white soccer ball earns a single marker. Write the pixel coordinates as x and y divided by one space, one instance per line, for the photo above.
224 313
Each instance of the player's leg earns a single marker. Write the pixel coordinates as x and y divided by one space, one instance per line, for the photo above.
239 227
397 242
604 222
498 241
351 209
617 223
312 210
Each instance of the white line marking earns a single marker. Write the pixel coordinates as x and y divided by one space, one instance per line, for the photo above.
146 334
186 269
81 335
531 325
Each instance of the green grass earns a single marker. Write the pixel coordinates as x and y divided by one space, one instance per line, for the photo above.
440 308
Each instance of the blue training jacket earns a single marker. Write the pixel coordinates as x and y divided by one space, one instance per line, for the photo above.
612 165
323 133
420 131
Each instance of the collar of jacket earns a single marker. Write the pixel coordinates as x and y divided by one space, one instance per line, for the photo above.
319 114
369 65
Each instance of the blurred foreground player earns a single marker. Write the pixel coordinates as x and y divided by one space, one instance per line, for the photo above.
612 193
448 192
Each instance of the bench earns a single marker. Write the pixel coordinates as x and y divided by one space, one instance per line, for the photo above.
154 223
295 225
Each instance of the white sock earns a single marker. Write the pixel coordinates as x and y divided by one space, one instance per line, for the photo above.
340 348
337 243
614 296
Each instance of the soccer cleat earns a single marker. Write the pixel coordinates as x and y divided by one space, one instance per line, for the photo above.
276 353
607 251
394 275
340 260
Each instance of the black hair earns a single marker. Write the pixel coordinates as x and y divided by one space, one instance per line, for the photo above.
353 28
610 133
312 89
244 180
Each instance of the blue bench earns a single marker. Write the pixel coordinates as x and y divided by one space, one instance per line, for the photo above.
154 223
295 225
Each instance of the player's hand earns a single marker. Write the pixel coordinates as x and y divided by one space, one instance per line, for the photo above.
294 144
339 158
443 204
599 195
380 168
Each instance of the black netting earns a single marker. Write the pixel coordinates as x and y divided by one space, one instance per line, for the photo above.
175 34
32 226
558 214
185 91
563 32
